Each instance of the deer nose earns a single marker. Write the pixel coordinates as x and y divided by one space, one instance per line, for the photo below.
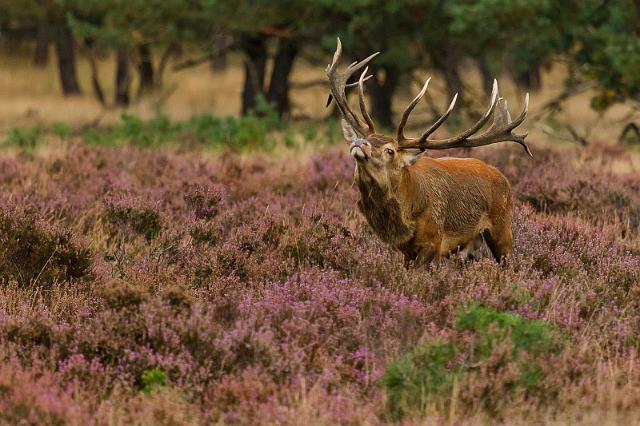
359 143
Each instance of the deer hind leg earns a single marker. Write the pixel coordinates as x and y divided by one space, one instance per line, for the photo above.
470 251
500 242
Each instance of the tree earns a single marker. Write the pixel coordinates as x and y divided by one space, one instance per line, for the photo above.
367 26
607 40
266 31
143 35
43 21
522 34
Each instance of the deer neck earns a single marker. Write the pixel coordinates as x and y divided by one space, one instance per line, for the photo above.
383 209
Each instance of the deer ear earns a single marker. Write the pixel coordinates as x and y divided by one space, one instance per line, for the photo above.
350 135
410 156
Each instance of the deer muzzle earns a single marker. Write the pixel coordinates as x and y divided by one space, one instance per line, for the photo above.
360 149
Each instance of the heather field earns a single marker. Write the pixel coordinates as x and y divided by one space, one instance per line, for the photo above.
184 285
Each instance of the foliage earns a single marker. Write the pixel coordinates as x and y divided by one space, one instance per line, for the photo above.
609 50
492 342
208 131
599 39
255 131
23 138
152 380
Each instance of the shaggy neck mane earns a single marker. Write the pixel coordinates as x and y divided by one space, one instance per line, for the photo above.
382 210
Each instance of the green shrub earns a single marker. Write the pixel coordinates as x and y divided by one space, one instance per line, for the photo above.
492 327
24 138
153 379
252 131
61 130
428 372
411 379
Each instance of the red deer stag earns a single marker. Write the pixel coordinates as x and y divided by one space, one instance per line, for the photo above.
429 208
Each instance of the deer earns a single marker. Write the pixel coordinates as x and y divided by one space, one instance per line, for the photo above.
429 208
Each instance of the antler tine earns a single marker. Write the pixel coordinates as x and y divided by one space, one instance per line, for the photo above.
336 56
502 127
336 87
523 114
355 66
338 83
405 115
483 120
440 120
500 130
452 142
347 86
363 105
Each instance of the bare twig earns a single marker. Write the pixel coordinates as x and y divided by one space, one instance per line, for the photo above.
630 127
576 137
194 62
45 266
555 104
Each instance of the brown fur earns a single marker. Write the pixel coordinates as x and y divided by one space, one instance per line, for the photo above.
430 208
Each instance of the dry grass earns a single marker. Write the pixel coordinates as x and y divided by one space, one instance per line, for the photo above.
31 96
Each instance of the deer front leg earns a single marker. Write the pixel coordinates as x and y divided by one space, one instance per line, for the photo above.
428 242
420 256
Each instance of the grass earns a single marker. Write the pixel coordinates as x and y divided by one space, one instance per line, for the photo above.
262 130
31 98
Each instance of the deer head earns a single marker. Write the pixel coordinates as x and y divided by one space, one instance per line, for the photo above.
381 158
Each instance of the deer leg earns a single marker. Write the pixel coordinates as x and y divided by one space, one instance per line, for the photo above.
468 253
409 258
427 255
500 242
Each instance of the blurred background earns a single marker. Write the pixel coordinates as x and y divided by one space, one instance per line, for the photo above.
68 66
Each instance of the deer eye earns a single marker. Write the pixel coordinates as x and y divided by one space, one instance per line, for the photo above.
390 151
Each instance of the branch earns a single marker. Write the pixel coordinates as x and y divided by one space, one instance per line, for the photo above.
308 84
194 62
576 137
171 49
630 127
554 105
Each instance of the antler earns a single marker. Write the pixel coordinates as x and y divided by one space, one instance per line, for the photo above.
337 85
330 97
501 129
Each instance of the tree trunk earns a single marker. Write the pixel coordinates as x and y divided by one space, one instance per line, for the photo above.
453 79
41 52
255 49
447 62
65 51
145 70
123 79
174 49
95 77
382 95
278 93
486 75
529 79
219 60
